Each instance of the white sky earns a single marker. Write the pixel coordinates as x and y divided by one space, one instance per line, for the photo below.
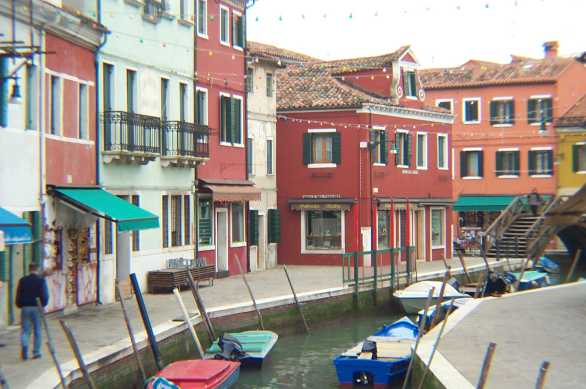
440 32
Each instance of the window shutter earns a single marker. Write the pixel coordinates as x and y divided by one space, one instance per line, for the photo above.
226 117
399 150
463 166
493 113
548 110
531 162
516 163
307 148
240 27
236 121
480 164
337 148
531 107
205 229
253 227
274 226
408 147
383 149
549 161
575 158
499 163
511 119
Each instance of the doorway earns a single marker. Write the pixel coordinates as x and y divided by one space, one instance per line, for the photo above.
222 240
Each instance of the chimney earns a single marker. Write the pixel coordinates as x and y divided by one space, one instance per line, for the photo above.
551 49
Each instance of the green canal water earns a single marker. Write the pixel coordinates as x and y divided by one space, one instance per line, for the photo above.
305 361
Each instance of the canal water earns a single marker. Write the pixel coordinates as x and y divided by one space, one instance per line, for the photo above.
305 361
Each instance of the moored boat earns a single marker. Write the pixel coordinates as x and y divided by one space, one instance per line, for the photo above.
250 348
380 359
413 297
532 279
431 312
200 374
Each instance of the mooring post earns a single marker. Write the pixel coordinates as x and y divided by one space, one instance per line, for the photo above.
78 355
356 279
486 365
200 306
188 322
50 344
573 266
296 300
440 299
130 332
260 322
541 375
480 286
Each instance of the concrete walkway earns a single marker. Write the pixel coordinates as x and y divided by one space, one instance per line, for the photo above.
100 330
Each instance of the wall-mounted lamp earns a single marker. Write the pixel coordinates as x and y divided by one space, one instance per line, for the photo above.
15 96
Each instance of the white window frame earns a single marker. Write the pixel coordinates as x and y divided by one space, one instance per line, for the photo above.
500 99
212 227
234 45
543 148
579 144
401 131
464 101
272 155
472 149
443 245
205 90
451 101
405 71
50 98
204 34
505 149
251 148
187 102
112 87
87 109
446 157
321 131
425 153
224 43
238 97
304 250
230 228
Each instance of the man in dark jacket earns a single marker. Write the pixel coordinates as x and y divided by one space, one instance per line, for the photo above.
29 289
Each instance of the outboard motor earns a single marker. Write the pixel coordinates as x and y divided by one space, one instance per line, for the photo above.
369 347
232 349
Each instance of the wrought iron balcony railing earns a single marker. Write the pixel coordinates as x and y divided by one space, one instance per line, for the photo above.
131 132
182 139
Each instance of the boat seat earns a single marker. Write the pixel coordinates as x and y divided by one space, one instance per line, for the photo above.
386 339
387 348
365 356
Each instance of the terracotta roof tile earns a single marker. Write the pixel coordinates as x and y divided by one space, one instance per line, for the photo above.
575 117
275 54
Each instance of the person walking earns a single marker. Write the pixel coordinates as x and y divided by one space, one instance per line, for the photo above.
29 289
534 201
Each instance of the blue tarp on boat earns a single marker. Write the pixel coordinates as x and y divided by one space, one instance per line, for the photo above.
16 230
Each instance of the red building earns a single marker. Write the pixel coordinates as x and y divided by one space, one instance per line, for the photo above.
223 186
357 150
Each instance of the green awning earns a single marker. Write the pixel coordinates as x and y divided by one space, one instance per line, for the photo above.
98 202
482 203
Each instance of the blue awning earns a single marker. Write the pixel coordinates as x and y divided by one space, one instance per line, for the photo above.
16 230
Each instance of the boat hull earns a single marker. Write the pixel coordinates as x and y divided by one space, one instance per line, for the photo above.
379 373
201 374
412 305
256 344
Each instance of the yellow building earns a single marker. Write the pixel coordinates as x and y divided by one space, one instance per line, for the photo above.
571 130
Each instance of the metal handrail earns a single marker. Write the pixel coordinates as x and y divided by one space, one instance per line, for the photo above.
537 224
183 139
131 132
502 222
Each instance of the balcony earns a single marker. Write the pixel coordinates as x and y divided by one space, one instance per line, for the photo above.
131 137
184 144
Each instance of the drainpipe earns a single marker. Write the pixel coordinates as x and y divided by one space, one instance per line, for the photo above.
245 138
195 175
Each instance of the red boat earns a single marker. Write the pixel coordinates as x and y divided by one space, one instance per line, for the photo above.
201 374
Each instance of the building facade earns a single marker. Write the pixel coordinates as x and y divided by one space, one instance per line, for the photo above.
571 132
504 138
224 191
362 162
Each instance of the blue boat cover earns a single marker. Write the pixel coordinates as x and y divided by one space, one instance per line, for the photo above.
16 230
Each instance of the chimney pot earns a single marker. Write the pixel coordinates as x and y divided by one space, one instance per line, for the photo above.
551 49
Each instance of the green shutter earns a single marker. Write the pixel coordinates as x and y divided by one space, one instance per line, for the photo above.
252 228
512 112
549 161
236 112
575 158
383 149
226 119
205 230
274 220
516 162
408 149
240 27
499 163
531 162
307 148
463 166
336 148
481 164
399 151
493 109
548 110
531 114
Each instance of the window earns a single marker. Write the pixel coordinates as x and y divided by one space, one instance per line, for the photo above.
108 237
182 102
237 30
323 230
269 85
205 230
507 163
539 110
108 93
274 225
321 148
403 156
579 157
165 220
502 112
437 228
379 152
202 18
249 80
442 151
471 110
31 96
187 213
540 162
130 90
445 104
224 25
269 157
471 163
176 220
153 8
231 119
164 99
237 222
83 116
249 156
421 150
201 106
410 84
383 229
253 227
56 105
183 9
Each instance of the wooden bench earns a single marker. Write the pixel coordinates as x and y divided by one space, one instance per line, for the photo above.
167 279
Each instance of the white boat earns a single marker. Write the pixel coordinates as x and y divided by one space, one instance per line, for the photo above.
413 297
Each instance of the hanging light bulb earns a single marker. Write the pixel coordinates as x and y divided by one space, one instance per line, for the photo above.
15 96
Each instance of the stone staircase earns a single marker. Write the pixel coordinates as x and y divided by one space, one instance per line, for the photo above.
513 243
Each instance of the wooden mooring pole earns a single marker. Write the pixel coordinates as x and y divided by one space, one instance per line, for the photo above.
260 322
50 344
440 299
486 365
201 307
296 300
78 356
573 266
541 375
188 322
130 332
